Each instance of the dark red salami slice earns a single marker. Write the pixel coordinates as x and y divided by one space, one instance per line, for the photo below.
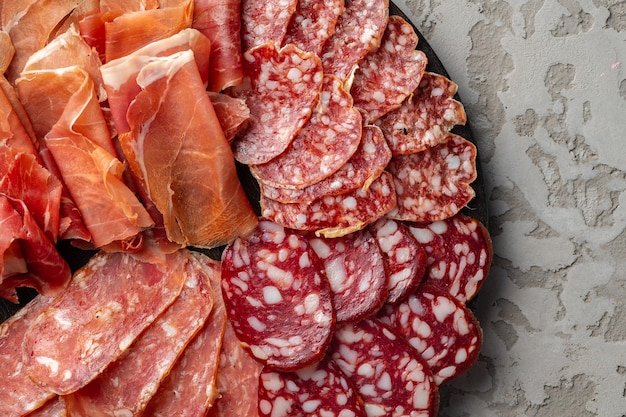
313 23
277 297
338 215
405 259
390 74
459 254
359 30
434 184
425 119
390 376
441 328
324 144
367 164
321 389
265 21
281 88
359 288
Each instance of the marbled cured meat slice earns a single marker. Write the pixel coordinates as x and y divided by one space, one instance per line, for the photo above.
405 258
358 288
313 23
265 21
232 113
434 184
338 215
127 385
359 30
191 387
54 407
459 254
425 118
108 304
389 74
277 297
390 376
441 328
281 88
324 144
366 164
321 389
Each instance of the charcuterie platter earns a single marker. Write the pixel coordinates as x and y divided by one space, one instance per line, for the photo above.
297 220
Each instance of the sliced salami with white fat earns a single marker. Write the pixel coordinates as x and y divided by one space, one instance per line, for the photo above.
459 254
313 22
281 88
277 297
434 184
321 389
424 120
55 407
388 75
405 259
391 377
359 287
441 328
265 21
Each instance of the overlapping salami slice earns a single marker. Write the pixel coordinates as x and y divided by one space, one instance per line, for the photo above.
265 21
434 184
107 306
442 329
55 407
277 297
388 75
313 22
280 87
424 119
338 215
321 389
359 30
459 254
405 259
366 164
324 144
359 288
390 376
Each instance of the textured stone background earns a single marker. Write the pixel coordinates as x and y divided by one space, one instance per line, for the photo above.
544 85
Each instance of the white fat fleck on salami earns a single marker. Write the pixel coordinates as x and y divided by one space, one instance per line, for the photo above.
337 215
313 22
425 118
434 184
359 30
359 287
281 88
441 328
459 254
265 21
293 318
325 143
388 75
374 358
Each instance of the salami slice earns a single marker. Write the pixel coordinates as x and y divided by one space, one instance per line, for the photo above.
366 164
280 87
313 22
424 119
277 297
359 288
387 76
324 144
338 215
390 376
459 254
53 408
321 389
108 304
405 259
359 30
265 21
434 184
442 329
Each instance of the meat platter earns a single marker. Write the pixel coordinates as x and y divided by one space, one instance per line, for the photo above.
335 329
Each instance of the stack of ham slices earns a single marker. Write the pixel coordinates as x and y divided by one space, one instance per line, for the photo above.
125 127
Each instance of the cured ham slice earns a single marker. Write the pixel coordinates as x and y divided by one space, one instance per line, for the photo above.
233 113
205 206
109 303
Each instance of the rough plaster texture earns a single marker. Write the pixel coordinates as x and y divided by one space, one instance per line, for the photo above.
544 84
